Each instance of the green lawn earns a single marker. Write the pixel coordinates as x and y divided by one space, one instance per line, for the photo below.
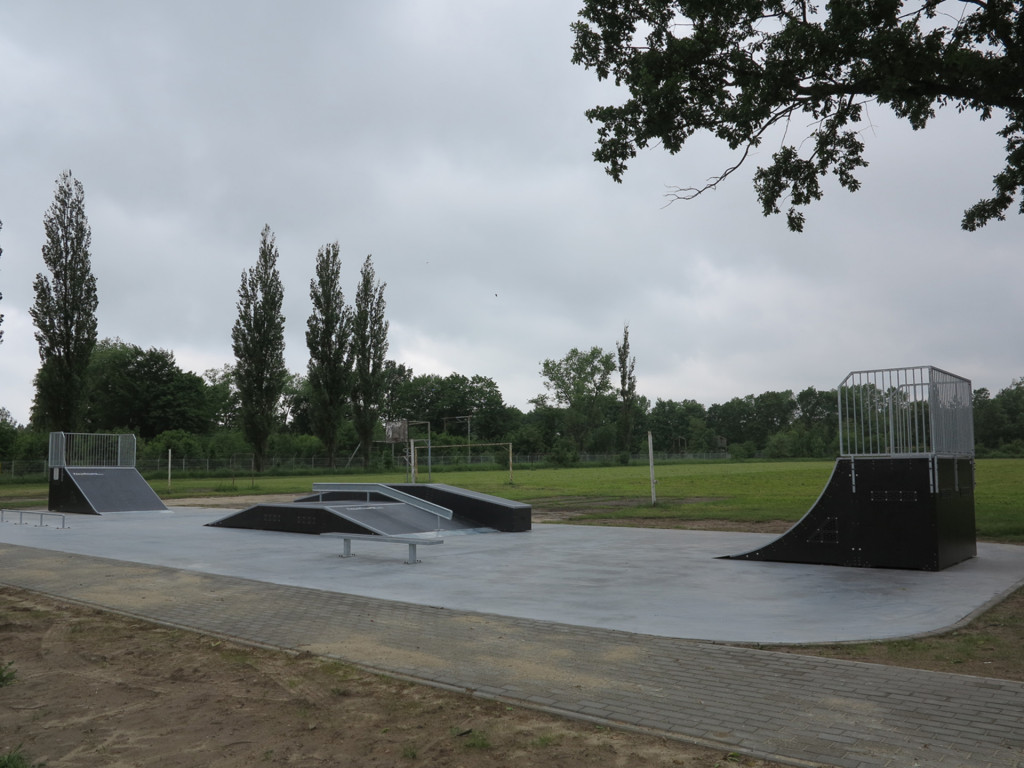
999 499
733 490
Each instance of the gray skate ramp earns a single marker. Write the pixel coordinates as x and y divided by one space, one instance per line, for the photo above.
98 490
396 519
384 518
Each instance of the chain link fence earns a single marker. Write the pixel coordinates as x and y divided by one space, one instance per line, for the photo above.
33 470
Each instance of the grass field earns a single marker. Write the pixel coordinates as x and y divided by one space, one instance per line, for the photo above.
741 491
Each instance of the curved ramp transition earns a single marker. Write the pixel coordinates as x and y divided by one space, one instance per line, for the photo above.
913 513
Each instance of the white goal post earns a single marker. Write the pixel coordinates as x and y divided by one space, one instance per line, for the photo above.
468 446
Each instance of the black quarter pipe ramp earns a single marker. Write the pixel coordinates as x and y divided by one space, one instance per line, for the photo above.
901 495
885 513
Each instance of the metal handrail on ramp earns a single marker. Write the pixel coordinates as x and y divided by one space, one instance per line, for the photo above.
387 492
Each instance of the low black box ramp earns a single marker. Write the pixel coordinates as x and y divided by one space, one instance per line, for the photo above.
479 508
96 490
387 510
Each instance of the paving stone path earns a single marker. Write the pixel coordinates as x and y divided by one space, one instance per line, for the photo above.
795 709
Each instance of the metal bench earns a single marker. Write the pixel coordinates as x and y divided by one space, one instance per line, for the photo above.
412 542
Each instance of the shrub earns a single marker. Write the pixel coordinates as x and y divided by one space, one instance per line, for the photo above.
7 674
16 759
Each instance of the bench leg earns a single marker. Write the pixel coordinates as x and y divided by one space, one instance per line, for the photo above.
346 548
412 555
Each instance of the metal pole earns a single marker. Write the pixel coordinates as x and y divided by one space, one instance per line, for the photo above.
650 459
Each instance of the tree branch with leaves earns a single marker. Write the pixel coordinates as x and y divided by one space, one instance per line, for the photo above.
736 69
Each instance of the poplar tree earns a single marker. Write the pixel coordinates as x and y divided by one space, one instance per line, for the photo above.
627 390
257 340
327 337
64 311
369 346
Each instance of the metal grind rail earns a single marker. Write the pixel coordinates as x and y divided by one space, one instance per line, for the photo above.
391 493
5 515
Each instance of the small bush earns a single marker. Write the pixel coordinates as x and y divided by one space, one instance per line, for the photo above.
16 759
477 740
7 674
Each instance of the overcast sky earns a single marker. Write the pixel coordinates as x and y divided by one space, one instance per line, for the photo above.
448 139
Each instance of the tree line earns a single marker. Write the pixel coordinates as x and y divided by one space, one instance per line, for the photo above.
339 405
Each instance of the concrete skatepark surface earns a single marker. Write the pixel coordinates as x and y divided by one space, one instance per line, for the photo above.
577 621
666 583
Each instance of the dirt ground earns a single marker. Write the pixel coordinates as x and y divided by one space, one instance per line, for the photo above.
92 688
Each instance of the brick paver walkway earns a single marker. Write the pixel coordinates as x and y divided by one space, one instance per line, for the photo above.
795 709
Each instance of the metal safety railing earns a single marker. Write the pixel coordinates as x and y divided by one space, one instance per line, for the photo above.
75 449
919 411
6 515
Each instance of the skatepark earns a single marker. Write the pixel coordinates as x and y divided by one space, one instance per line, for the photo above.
652 582
617 625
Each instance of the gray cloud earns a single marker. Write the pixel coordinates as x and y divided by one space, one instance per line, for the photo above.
449 141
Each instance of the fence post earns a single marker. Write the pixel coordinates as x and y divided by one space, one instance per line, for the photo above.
650 458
